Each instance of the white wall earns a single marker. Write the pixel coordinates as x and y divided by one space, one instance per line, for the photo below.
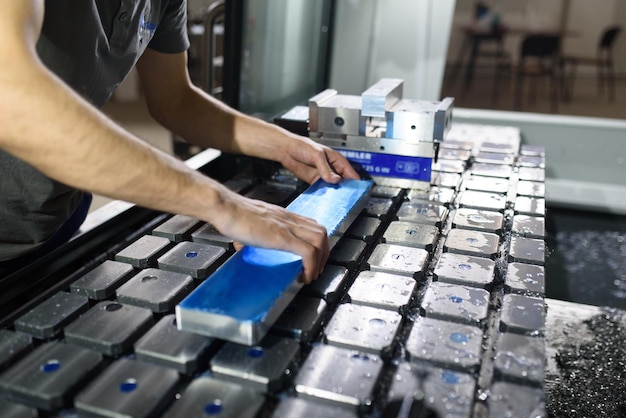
404 39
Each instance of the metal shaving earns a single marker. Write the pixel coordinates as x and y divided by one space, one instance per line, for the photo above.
592 380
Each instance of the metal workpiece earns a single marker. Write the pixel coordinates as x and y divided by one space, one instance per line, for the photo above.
475 243
304 408
456 144
192 258
382 290
154 289
491 170
448 393
365 328
527 250
532 150
523 314
422 213
364 228
264 367
494 158
388 192
128 388
454 302
12 346
449 180
533 161
435 194
302 319
164 344
532 206
339 376
208 234
99 328
482 200
347 253
50 375
102 282
532 174
411 234
330 285
525 279
520 358
510 399
378 207
245 296
454 154
206 396
531 188
478 220
487 184
446 344
398 259
144 252
285 178
449 166
465 270
178 228
500 146
48 319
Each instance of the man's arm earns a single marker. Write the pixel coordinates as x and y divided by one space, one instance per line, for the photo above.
47 125
201 119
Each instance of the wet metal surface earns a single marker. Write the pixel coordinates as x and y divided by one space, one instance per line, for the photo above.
449 344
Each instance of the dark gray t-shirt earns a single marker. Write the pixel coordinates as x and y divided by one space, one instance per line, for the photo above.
91 45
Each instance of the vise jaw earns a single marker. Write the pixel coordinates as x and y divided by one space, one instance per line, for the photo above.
395 140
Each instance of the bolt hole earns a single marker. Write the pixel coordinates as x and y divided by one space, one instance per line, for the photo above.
112 307
148 279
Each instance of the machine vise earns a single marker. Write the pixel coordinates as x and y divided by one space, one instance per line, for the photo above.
390 137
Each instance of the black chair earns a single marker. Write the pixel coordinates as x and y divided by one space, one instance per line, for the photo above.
539 58
481 42
603 61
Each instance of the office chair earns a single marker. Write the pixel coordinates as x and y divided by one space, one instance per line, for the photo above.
603 61
539 57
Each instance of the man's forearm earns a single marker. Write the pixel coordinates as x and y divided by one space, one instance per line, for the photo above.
50 127
199 118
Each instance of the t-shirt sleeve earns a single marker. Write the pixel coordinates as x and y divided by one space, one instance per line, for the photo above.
171 33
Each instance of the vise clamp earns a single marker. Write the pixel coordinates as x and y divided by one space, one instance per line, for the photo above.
390 137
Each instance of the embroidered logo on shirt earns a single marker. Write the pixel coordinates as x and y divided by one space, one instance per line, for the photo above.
146 27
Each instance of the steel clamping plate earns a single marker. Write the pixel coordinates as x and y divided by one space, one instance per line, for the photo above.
244 297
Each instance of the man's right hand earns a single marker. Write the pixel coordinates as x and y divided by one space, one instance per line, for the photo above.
260 224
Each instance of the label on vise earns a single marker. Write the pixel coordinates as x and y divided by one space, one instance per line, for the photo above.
391 165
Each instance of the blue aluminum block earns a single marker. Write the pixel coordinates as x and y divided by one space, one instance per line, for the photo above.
246 295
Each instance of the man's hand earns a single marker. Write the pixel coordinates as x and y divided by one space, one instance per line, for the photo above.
254 222
311 161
